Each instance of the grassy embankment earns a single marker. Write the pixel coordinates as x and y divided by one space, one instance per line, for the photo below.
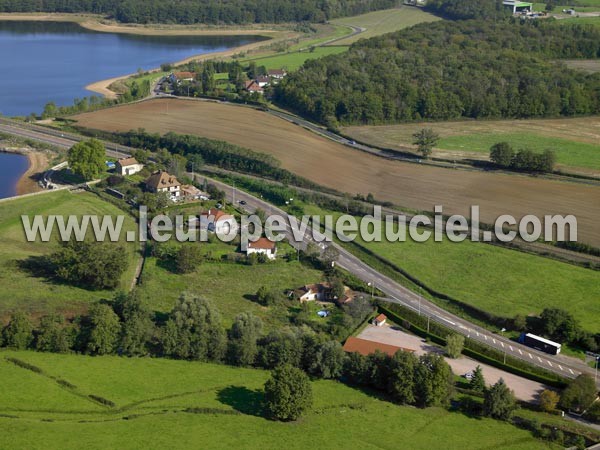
151 397
21 290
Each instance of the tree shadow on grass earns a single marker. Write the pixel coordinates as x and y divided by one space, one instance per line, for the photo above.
242 399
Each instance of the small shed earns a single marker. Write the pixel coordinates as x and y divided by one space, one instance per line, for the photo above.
380 320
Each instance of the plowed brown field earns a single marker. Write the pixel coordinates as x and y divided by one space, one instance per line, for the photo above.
348 170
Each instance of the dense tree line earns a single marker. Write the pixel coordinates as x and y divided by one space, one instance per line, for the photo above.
450 70
504 155
204 11
468 9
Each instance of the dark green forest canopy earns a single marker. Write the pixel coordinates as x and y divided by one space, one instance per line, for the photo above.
205 11
450 70
468 9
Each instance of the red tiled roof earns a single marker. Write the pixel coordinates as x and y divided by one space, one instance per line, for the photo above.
380 318
124 162
217 214
262 243
364 347
160 180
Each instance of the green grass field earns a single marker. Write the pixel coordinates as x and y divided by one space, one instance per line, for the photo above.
293 60
501 281
151 396
229 286
568 153
581 21
22 291
385 21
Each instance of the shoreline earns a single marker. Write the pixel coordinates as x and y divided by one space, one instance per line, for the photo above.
102 86
97 23
38 162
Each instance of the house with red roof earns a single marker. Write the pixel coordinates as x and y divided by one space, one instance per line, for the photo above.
380 320
253 86
262 246
218 221
365 347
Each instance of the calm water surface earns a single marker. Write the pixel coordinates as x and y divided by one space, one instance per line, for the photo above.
50 61
12 166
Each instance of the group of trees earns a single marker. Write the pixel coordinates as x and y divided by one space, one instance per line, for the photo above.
450 70
89 263
504 155
468 9
204 11
562 326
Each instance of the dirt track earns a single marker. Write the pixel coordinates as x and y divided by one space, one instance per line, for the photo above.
333 165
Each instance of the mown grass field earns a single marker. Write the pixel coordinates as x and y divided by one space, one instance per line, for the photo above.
343 168
231 287
575 141
151 396
20 290
497 280
385 21
293 60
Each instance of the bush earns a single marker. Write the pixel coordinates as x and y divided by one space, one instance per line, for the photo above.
288 393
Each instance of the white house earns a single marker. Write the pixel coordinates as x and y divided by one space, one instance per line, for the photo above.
164 182
380 320
262 246
277 74
128 166
311 293
217 221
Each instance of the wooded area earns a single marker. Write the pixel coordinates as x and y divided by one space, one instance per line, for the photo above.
449 70
204 11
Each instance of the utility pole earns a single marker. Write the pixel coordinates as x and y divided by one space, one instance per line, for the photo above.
233 193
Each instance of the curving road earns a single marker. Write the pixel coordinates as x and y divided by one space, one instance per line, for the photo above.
565 366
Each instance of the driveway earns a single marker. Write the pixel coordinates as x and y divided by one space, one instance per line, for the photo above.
523 388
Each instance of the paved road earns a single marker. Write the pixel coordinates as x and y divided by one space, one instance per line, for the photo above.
396 293
565 366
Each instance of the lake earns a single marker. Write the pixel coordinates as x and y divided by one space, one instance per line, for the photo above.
12 166
54 61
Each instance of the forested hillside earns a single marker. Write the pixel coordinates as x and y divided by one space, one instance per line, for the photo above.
468 9
204 11
449 70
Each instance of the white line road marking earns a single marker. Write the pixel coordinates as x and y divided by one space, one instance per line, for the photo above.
549 363
494 340
540 359
477 333
502 344
530 355
560 367
511 349
572 373
485 337
520 352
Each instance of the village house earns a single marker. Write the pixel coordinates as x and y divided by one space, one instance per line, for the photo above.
262 81
128 166
253 86
262 246
321 292
162 181
277 74
217 221
193 193
380 320
178 77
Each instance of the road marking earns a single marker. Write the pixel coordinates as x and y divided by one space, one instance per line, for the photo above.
530 355
572 373
540 359
520 352
477 333
494 340
560 367
502 344
485 337
511 349
549 363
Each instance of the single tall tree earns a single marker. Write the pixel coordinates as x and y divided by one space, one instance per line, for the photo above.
425 140
288 393
86 158
243 337
477 382
18 333
104 330
454 345
579 394
499 401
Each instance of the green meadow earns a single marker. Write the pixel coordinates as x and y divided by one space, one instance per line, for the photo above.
159 403
21 290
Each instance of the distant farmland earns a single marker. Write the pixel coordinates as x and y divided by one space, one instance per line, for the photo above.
329 164
575 141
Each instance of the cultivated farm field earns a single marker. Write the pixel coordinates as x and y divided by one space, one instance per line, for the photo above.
21 290
384 21
575 141
161 403
410 185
